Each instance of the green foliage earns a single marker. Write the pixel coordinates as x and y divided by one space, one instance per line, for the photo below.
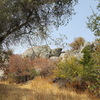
59 42
4 57
87 69
69 69
91 72
24 18
94 22
96 54
87 59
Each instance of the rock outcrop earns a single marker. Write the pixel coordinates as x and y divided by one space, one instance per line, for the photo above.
42 52
55 54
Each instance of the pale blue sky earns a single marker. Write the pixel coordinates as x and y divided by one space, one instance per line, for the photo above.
77 26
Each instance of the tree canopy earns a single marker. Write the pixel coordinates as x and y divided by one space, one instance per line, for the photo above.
21 18
94 22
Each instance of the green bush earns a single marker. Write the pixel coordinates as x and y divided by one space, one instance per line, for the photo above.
87 70
70 68
91 72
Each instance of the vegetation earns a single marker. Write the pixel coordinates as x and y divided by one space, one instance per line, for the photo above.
37 89
20 70
77 43
92 68
44 66
4 58
81 75
21 19
94 21
86 70
69 69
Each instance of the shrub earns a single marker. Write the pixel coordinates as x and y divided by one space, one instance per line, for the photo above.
4 58
87 57
91 72
69 69
20 69
44 65
77 43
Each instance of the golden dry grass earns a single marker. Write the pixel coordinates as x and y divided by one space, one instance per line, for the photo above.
38 89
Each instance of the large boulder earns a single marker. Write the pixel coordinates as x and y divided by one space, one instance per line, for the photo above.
29 53
54 58
68 54
38 52
42 51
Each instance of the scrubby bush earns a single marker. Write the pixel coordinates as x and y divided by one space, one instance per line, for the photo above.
82 74
4 58
44 65
20 70
91 72
23 69
75 45
69 69
87 57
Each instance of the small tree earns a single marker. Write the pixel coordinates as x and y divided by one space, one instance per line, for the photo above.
4 58
91 72
94 21
69 69
77 43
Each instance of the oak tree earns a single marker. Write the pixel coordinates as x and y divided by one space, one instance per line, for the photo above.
24 18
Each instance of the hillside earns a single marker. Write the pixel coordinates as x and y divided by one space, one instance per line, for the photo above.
38 89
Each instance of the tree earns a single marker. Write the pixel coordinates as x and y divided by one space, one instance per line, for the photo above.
24 18
94 22
77 43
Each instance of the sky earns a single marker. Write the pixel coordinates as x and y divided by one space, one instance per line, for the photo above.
76 27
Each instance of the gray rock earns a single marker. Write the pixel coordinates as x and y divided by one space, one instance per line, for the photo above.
62 55
42 51
83 46
54 59
29 53
68 54
79 55
38 52
56 52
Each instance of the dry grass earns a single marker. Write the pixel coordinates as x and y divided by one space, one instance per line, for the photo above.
38 89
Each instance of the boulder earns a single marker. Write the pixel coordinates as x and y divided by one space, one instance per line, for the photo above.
79 55
56 52
54 58
29 53
38 52
42 51
68 54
